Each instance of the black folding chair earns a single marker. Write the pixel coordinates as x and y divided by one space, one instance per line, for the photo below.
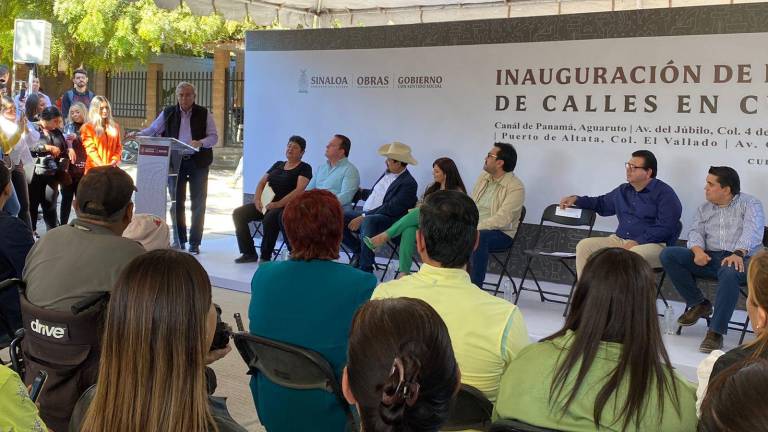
662 272
8 323
511 425
503 262
586 219
291 366
469 410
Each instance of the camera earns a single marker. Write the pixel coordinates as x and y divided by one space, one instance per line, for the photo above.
223 331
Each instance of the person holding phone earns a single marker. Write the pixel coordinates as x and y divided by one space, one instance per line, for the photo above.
19 412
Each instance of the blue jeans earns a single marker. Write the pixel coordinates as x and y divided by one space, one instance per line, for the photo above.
197 178
12 206
490 241
682 271
371 226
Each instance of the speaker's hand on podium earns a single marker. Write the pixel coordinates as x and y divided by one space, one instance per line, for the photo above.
196 144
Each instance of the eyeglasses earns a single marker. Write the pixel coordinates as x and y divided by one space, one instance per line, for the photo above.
491 155
633 167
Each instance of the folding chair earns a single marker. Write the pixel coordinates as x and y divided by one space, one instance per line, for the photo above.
256 227
662 272
291 366
504 262
469 410
549 216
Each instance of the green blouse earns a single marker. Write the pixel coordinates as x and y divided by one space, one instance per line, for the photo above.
17 411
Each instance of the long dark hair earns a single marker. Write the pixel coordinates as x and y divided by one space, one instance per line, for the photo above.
452 176
31 107
401 367
614 301
736 399
757 280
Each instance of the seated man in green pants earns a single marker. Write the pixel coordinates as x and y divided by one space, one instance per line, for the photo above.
446 177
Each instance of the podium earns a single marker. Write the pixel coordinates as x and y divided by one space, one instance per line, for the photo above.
156 167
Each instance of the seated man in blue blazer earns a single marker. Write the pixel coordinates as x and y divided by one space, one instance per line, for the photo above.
393 194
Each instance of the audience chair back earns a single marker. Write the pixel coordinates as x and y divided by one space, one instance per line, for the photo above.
550 218
290 366
510 425
67 346
470 410
503 261
765 236
9 324
78 413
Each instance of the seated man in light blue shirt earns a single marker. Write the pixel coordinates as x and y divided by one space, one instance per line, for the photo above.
726 231
337 175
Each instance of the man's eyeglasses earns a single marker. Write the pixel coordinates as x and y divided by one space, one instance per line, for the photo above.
491 155
633 167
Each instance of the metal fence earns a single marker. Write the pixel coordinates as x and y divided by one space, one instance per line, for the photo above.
167 82
126 92
234 118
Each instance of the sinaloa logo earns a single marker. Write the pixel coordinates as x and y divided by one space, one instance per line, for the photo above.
49 330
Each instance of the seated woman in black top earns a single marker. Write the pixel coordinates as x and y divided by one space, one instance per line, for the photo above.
286 179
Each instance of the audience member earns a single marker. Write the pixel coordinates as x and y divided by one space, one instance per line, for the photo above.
157 341
487 332
56 277
757 309
149 230
20 99
307 301
15 242
648 211
193 125
338 174
393 194
78 93
101 135
77 158
17 411
607 368
4 75
44 187
447 177
726 231
499 196
286 180
401 373
17 136
736 401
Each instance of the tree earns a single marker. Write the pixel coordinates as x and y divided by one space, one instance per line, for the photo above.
117 34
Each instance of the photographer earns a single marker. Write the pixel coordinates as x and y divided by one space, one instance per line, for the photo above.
157 340
51 163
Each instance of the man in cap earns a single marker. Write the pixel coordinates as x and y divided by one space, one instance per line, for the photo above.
393 194
85 257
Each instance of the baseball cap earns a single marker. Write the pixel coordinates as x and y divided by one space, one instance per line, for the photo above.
104 191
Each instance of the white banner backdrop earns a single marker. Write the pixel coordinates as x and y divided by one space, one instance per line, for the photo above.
574 110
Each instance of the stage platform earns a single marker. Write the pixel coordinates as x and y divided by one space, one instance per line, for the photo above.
218 254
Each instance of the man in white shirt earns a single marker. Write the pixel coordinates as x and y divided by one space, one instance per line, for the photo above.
393 194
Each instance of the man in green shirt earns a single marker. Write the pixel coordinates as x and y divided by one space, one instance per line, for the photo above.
486 332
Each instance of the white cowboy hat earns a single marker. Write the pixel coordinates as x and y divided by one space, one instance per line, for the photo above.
398 151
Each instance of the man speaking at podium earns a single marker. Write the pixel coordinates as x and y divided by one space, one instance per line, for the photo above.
191 124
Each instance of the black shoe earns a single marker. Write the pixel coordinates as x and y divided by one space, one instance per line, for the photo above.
712 341
194 249
701 310
247 258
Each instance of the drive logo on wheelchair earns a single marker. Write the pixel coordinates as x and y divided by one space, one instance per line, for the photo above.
46 329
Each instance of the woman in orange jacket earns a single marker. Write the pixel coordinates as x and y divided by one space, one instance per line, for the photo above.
101 135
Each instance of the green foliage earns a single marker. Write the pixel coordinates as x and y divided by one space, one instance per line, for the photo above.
117 34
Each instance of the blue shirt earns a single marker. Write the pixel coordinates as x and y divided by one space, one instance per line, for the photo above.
310 304
739 225
651 215
342 180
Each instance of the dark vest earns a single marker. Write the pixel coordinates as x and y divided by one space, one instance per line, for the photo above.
197 124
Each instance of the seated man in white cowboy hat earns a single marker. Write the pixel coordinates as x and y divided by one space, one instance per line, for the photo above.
393 194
